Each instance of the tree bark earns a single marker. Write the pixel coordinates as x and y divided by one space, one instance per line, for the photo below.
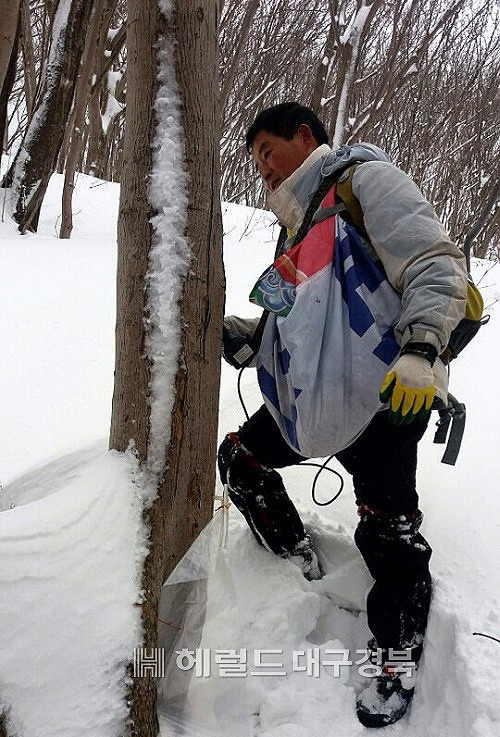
9 41
9 17
250 11
78 116
26 41
130 413
116 46
324 67
185 489
348 60
188 484
37 155
97 137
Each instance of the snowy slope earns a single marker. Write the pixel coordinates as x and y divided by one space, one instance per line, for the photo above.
69 519
68 589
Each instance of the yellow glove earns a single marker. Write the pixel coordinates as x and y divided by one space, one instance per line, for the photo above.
410 389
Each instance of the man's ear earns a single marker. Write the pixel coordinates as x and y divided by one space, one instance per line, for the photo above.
306 135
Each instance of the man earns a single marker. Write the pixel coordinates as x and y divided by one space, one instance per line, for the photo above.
348 364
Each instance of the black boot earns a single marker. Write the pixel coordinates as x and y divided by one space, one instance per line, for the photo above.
397 557
304 556
389 694
259 493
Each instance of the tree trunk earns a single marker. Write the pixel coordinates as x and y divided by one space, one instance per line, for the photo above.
26 40
188 483
9 17
106 54
348 60
252 7
9 40
324 68
78 116
37 155
94 134
185 488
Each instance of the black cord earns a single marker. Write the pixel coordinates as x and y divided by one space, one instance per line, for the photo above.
240 394
321 466
490 637
324 467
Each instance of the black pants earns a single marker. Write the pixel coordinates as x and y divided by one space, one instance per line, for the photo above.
383 462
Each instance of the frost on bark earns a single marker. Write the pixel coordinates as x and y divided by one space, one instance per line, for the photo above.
185 484
37 156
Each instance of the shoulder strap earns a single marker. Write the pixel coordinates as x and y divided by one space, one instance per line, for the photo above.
348 204
316 200
345 193
327 212
453 413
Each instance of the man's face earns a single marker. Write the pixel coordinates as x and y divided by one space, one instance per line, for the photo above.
276 158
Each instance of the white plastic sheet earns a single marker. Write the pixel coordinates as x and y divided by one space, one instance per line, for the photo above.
200 604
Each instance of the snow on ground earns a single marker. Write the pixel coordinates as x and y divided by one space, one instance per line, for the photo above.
57 329
68 587
69 516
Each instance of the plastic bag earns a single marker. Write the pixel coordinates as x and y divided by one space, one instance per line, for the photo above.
198 606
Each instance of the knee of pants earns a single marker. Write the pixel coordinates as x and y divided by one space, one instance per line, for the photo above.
243 474
393 545
226 451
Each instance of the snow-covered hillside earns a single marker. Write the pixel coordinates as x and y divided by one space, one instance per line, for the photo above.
70 538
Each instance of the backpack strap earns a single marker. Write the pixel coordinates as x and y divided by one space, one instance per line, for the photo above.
346 195
316 200
327 212
453 414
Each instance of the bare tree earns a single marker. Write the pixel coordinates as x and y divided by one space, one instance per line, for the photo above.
106 105
37 156
349 45
29 72
397 74
94 146
75 126
9 17
9 37
232 66
324 65
186 480
283 45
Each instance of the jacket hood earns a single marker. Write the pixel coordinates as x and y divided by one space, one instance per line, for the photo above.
343 157
291 199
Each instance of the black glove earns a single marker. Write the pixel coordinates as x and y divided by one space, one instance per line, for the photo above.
236 349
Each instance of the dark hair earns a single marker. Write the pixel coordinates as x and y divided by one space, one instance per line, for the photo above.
284 120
